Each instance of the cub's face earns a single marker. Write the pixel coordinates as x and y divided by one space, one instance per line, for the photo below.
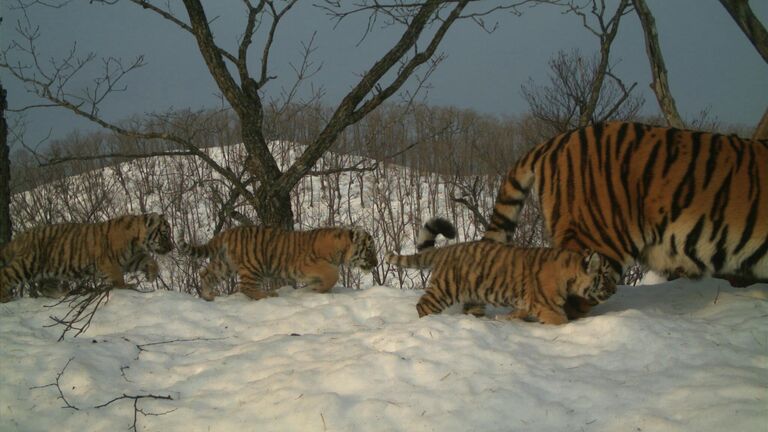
363 251
598 282
158 234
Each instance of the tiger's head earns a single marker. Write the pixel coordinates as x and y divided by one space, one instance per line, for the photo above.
158 238
362 251
598 281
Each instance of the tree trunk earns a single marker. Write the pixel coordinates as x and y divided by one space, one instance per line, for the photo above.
274 208
272 204
660 85
761 131
749 24
5 174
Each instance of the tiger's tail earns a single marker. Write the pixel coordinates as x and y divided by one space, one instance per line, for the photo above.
510 200
425 244
421 260
197 251
429 232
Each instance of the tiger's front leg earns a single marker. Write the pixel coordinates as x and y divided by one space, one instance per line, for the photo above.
252 285
8 280
576 307
5 290
551 316
150 269
113 272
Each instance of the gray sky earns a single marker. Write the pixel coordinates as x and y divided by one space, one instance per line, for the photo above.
710 62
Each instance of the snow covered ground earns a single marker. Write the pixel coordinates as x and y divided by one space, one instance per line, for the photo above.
678 356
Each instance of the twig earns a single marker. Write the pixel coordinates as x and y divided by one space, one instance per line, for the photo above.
58 386
83 304
136 409
141 347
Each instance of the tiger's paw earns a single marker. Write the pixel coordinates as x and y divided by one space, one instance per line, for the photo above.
151 271
206 295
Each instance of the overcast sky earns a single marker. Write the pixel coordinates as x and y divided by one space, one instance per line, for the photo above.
711 64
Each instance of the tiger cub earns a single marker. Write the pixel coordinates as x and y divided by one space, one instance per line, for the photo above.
534 281
71 251
259 253
681 202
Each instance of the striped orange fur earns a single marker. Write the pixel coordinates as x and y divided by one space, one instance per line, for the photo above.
536 281
681 202
257 254
76 250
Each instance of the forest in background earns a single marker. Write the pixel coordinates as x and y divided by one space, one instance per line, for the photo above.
388 173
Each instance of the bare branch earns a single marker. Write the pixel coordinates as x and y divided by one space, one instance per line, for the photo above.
355 168
168 15
749 24
60 160
136 409
83 302
141 347
57 384
277 16
348 111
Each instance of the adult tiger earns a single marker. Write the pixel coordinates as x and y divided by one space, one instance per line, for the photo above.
76 250
258 253
681 202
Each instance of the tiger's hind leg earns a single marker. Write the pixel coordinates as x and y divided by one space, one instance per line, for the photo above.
436 299
211 275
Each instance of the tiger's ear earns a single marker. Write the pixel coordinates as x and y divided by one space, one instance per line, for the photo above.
151 219
592 262
358 234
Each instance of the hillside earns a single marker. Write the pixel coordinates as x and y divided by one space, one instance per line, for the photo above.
676 356
669 357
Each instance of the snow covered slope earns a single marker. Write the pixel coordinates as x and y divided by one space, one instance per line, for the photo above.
679 356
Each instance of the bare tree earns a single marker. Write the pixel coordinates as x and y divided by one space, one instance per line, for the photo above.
583 90
563 104
749 24
605 28
5 174
660 84
267 187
